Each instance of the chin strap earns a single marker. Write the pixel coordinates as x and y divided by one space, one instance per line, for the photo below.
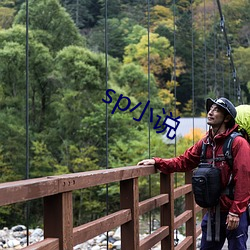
212 136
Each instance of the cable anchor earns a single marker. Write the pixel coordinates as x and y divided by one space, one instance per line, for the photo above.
229 51
234 75
222 24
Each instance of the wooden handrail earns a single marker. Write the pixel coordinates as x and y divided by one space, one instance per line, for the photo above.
90 230
58 208
46 244
24 190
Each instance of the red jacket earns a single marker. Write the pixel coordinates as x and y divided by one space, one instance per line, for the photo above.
241 167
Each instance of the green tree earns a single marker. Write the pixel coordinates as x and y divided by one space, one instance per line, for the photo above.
42 163
161 57
117 32
134 80
242 64
124 8
78 75
13 60
84 13
53 25
12 108
237 19
13 148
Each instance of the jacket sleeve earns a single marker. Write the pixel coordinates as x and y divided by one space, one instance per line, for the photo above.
185 162
241 175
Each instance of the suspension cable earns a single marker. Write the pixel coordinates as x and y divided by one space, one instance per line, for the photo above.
229 83
229 53
222 68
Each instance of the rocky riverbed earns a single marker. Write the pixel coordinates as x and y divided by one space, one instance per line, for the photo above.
16 238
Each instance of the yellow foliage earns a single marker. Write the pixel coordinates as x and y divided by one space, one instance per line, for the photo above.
160 53
172 84
188 108
195 134
203 114
189 139
179 66
161 12
161 15
166 96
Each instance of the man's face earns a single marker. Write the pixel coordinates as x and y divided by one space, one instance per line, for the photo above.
215 116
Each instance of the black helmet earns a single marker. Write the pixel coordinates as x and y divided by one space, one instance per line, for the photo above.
223 103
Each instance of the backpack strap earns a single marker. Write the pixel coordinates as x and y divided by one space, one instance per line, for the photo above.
203 155
227 151
227 148
203 152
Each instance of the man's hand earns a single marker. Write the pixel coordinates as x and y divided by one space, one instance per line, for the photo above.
232 221
146 162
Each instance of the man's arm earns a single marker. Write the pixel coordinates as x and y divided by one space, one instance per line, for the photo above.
241 175
185 162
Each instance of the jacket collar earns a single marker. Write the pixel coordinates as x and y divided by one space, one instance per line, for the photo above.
221 136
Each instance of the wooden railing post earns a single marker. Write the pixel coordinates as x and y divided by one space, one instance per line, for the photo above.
58 219
57 191
190 205
167 210
129 198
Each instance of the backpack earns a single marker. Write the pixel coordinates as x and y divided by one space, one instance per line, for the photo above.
206 185
243 120
206 179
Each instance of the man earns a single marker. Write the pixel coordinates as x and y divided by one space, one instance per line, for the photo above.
221 115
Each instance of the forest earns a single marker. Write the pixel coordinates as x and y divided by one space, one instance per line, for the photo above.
55 70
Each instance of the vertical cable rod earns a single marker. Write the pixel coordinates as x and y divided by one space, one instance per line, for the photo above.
215 53
149 141
107 120
27 207
174 76
175 94
174 59
205 51
192 24
77 13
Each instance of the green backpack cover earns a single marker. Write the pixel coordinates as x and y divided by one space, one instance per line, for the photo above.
243 118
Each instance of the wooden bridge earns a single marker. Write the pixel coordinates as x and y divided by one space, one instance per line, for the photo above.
56 192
